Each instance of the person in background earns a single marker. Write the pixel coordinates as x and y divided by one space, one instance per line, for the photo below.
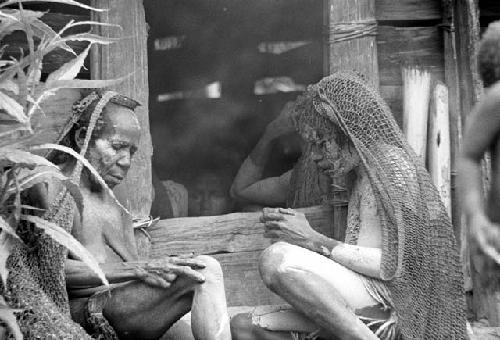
209 194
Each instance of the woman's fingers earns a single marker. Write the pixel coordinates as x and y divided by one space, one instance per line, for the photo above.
190 262
188 272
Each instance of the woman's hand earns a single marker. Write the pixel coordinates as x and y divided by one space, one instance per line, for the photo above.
163 272
291 226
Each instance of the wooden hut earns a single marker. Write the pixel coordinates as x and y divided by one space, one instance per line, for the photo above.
186 46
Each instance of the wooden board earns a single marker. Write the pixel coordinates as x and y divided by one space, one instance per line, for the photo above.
408 10
242 280
128 56
393 96
439 143
359 54
416 95
238 232
398 46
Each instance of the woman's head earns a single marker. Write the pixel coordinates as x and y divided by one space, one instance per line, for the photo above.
330 147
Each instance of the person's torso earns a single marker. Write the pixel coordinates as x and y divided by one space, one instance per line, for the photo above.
363 222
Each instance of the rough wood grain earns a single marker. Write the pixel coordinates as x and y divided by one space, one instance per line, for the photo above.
238 232
407 10
242 280
398 46
416 95
438 147
359 54
128 56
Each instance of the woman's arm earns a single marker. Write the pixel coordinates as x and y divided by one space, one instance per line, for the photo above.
248 184
292 227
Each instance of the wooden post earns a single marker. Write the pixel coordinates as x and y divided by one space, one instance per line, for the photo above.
128 56
438 147
350 45
416 96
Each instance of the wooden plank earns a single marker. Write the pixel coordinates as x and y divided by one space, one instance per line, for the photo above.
398 46
393 96
226 233
359 54
128 56
416 96
438 147
242 280
407 10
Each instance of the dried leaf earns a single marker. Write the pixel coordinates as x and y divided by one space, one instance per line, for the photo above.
67 2
92 38
86 163
5 226
44 31
65 239
70 69
7 316
10 156
12 108
10 85
11 20
82 84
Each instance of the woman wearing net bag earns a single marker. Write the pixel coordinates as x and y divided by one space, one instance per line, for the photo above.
397 275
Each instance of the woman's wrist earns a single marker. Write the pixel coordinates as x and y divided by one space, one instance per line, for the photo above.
323 245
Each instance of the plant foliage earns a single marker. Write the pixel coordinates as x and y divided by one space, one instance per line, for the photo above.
21 94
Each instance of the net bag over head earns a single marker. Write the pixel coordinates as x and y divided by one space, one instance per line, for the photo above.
420 260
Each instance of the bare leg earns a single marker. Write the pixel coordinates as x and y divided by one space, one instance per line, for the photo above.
139 311
209 317
242 328
320 288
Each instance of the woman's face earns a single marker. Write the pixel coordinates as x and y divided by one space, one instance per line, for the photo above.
333 159
209 196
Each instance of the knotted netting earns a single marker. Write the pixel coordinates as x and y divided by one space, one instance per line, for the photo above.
420 260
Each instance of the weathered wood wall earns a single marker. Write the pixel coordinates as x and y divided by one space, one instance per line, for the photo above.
128 56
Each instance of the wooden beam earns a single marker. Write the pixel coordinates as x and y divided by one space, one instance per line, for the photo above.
398 46
238 232
358 53
128 57
407 10
242 281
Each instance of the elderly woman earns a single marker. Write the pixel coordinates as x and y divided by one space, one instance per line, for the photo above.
397 275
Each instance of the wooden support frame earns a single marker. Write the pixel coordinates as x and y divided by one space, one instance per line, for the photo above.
359 53
128 56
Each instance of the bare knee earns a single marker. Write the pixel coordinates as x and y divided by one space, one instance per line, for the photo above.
273 264
212 270
241 327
